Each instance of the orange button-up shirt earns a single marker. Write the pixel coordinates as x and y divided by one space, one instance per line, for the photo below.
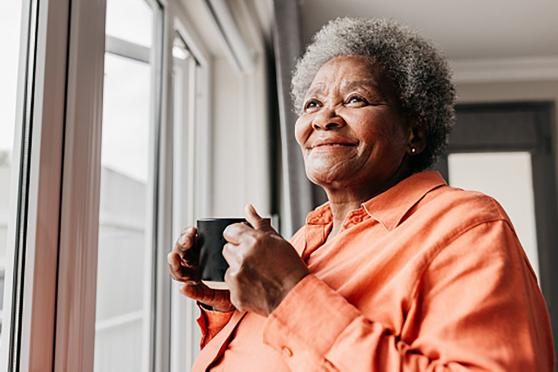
423 277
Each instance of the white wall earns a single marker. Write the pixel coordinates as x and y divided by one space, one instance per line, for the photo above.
239 113
240 171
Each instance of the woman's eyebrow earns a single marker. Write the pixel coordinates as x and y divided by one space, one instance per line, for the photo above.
364 83
318 88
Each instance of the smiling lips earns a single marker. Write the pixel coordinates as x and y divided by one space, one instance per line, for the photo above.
335 142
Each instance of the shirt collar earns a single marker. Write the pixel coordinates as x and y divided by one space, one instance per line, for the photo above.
392 205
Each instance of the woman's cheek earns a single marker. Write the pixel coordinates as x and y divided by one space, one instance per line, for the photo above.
302 130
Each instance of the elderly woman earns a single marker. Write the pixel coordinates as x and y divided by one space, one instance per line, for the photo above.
398 271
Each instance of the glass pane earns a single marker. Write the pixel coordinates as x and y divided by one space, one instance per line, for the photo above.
10 25
123 276
131 20
507 177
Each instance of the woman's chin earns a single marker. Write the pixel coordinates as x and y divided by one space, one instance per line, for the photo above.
328 176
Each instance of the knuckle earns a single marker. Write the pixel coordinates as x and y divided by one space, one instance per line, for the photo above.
172 274
240 275
250 255
228 230
233 276
261 237
252 240
227 247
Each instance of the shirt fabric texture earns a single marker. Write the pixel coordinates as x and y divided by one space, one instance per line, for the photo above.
423 277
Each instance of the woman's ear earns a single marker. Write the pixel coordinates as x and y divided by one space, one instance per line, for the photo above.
416 139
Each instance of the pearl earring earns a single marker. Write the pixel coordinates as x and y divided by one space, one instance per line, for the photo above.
413 150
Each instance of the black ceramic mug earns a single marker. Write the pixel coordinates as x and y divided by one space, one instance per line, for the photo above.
211 241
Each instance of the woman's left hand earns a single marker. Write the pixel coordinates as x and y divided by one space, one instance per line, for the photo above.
263 267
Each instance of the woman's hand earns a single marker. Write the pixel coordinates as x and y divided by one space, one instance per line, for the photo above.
263 267
183 267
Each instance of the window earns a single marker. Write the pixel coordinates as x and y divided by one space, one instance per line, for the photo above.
128 215
104 141
186 76
17 27
10 25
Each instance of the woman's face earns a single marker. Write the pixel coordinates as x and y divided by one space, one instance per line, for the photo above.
351 132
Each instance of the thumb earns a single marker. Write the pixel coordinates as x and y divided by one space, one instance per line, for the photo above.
217 298
258 222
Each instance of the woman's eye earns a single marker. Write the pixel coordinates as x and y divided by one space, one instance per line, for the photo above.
311 105
355 100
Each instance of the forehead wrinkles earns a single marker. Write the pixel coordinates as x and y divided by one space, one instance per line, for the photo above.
345 73
367 84
322 88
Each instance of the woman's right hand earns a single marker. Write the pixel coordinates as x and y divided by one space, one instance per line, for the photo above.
183 267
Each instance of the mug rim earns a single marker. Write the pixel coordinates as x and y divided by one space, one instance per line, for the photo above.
210 219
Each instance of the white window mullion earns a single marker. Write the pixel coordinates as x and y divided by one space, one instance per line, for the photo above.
79 223
162 325
161 193
127 49
192 171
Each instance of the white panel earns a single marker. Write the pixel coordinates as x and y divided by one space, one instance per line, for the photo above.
131 20
123 277
126 115
507 177
10 24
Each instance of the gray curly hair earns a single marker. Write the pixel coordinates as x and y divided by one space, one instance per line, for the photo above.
419 74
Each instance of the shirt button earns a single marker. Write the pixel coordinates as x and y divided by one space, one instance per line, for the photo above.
287 352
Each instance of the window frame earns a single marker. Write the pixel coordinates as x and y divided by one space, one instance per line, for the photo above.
31 272
156 205
58 299
184 335
79 220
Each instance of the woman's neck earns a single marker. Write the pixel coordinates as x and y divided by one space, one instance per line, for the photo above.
340 208
344 200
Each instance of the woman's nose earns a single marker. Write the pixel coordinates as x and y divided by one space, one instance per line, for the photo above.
327 119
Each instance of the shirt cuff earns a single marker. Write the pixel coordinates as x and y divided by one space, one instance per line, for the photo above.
211 322
310 317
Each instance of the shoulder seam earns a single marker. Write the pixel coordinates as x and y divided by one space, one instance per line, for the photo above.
436 251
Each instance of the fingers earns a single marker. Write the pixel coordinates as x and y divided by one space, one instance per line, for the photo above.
259 223
217 298
234 233
185 247
232 255
186 241
177 270
173 259
182 259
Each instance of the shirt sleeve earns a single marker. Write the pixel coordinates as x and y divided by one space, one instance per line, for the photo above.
211 322
477 306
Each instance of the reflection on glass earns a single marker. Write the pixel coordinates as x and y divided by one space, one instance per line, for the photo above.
507 177
10 24
124 261
130 20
